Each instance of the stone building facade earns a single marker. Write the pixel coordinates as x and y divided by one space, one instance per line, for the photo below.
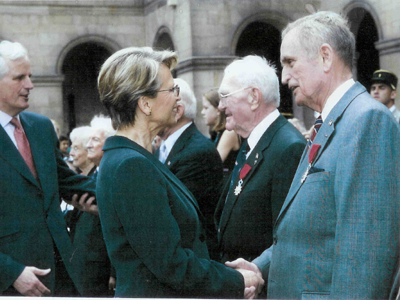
68 40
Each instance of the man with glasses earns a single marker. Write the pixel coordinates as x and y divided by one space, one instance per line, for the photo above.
193 159
267 161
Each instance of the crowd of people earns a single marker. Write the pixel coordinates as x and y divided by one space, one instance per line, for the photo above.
142 204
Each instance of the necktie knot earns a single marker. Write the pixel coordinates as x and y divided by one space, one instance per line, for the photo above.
317 126
14 121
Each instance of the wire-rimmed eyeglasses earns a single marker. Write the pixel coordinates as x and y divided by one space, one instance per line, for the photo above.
222 96
176 89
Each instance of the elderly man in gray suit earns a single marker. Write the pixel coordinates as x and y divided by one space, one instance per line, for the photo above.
337 235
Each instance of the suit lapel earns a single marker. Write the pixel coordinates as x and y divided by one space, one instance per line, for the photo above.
180 143
12 156
165 171
254 160
322 138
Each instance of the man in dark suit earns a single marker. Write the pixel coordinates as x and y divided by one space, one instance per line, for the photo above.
35 248
337 235
193 159
253 196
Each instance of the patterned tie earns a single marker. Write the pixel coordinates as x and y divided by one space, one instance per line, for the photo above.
163 153
23 146
240 160
317 126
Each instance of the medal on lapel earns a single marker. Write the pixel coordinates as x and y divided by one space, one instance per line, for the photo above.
243 173
311 156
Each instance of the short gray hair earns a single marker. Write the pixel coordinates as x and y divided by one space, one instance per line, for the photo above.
188 100
325 27
128 75
103 123
10 51
256 71
81 135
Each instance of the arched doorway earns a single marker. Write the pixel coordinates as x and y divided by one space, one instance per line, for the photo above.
263 39
80 67
163 41
366 33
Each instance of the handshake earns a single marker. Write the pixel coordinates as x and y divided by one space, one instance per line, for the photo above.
252 277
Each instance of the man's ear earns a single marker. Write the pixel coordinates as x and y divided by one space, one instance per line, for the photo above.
326 52
255 98
393 95
145 105
180 109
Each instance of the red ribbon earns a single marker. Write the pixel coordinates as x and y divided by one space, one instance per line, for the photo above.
244 171
313 153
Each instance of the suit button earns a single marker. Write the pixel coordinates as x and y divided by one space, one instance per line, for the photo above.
275 240
219 230
202 238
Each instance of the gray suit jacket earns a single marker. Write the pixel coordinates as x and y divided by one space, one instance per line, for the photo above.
337 235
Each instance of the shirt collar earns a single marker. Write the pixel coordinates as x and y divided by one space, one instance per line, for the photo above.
259 130
6 118
171 140
335 97
393 108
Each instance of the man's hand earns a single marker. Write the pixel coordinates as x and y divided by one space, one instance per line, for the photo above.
84 204
252 282
241 263
29 285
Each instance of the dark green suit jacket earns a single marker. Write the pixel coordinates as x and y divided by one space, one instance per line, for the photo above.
246 220
197 163
153 233
31 220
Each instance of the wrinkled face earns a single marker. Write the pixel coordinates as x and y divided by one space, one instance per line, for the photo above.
79 155
209 113
165 104
383 93
64 146
95 146
301 74
15 87
236 106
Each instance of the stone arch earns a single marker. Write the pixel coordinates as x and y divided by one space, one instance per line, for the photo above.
107 43
163 39
366 27
275 19
250 38
79 63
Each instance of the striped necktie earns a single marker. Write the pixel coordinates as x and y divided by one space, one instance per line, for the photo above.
317 126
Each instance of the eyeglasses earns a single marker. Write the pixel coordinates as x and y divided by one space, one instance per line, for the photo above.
222 96
176 89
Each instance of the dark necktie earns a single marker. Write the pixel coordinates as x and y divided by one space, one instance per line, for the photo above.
317 126
240 160
23 146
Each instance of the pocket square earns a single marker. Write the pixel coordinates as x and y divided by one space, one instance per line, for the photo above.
315 170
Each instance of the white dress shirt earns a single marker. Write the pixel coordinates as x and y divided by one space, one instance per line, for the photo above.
335 97
166 146
260 129
8 127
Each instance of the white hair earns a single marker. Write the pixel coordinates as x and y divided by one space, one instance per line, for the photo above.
324 27
8 52
103 123
256 71
188 100
80 135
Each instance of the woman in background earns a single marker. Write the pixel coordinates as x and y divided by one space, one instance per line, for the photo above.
153 233
227 142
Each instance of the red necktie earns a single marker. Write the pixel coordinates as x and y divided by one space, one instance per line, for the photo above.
317 126
23 146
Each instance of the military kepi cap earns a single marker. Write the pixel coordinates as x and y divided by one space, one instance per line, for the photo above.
385 77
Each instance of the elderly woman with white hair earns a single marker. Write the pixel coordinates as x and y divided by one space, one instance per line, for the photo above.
79 153
151 225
